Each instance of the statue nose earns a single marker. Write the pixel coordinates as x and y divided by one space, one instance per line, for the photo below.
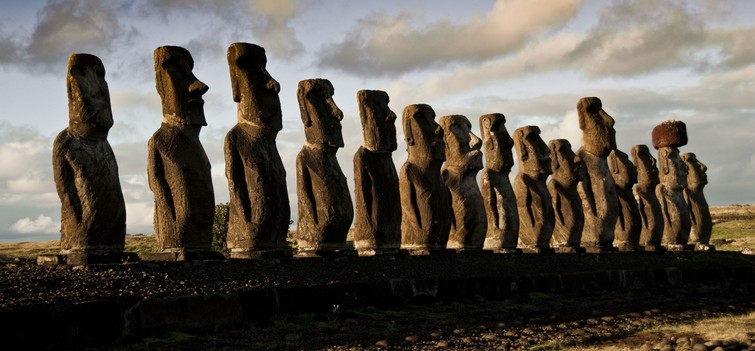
198 88
273 84
475 143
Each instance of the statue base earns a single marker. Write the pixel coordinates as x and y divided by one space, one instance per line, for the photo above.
570 249
260 254
675 247
654 248
538 250
600 249
506 251
704 248
628 248
86 258
181 255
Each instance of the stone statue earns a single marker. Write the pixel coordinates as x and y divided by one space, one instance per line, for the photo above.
667 138
425 200
628 228
259 212
597 189
459 173
377 225
500 203
568 171
178 168
651 216
702 224
536 219
93 213
325 207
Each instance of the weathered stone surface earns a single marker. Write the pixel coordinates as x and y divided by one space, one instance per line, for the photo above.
325 207
651 216
497 192
567 205
259 212
177 167
93 212
702 224
669 133
377 225
425 200
536 219
597 190
628 228
673 180
459 173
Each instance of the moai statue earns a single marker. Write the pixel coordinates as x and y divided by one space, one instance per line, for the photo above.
177 167
459 173
425 200
259 212
651 216
667 138
377 225
325 207
628 228
500 203
702 224
93 213
536 219
597 189
568 171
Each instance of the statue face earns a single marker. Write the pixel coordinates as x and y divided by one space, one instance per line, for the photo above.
564 163
462 146
378 121
88 94
647 169
180 90
423 135
696 170
673 171
253 87
534 158
624 172
498 143
598 135
321 117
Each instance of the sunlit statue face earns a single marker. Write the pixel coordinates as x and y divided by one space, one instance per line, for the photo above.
598 135
696 175
88 95
497 142
423 135
378 121
255 91
534 158
181 92
319 113
647 169
673 171
566 167
462 146
623 171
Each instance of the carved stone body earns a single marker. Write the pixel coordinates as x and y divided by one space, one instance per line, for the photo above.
259 212
459 173
498 194
325 207
536 219
667 137
597 190
178 168
628 228
425 200
567 205
377 224
702 224
93 212
649 209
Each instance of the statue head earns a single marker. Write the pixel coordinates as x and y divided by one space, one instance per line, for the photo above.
180 91
598 135
567 168
88 96
696 176
319 113
378 121
623 171
255 91
534 159
497 142
462 146
423 136
673 172
644 162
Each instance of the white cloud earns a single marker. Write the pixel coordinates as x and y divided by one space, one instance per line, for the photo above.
42 224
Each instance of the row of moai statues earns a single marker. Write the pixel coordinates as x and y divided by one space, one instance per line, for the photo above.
433 204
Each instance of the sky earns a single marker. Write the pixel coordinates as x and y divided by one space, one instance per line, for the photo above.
532 60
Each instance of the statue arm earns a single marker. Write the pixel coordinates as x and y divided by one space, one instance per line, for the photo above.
304 189
234 172
641 207
65 182
662 201
557 203
688 200
529 203
491 196
409 199
157 182
589 196
364 186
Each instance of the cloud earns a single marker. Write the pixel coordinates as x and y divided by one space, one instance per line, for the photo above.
736 47
274 29
43 224
25 167
384 45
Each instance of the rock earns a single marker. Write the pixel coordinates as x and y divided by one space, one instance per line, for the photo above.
646 347
412 338
458 331
292 337
467 340
713 343
528 331
510 334
592 321
441 344
489 336
382 343
536 217
607 319
699 347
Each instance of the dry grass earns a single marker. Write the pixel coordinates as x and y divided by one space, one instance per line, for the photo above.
30 250
734 225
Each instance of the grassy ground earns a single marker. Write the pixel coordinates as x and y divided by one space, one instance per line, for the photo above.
30 250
